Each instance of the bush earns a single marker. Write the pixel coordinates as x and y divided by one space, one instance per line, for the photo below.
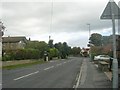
6 58
53 52
21 54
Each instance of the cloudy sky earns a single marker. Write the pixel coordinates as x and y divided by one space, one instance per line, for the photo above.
63 20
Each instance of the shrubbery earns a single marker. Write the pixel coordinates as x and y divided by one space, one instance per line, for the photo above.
21 54
53 52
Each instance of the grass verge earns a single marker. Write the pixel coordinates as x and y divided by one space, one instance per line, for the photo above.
23 65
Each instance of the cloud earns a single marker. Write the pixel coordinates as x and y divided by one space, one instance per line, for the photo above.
33 19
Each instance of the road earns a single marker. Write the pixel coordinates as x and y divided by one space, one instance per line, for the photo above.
54 74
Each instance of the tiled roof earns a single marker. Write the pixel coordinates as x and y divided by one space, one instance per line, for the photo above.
13 39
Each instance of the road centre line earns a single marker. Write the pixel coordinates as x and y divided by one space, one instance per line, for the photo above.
49 67
26 75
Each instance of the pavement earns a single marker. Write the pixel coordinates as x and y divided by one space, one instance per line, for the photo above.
92 77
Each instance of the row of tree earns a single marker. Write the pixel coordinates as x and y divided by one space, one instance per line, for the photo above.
63 49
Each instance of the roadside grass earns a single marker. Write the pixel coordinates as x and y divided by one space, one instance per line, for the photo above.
23 65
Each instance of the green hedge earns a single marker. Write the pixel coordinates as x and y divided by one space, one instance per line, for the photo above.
21 54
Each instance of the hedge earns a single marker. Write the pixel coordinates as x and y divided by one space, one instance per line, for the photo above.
21 54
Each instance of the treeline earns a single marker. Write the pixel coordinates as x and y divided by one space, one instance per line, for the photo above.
38 49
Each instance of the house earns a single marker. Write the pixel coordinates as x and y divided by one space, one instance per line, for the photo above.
118 48
108 47
13 43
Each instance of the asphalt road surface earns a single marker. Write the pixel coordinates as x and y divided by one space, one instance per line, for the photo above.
54 74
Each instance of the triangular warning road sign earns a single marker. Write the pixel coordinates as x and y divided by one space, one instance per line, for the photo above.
110 9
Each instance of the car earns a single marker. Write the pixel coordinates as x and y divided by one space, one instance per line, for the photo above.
102 57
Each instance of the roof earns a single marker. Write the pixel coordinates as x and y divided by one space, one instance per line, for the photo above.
13 39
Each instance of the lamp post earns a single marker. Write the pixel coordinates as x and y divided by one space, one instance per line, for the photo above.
89 29
88 39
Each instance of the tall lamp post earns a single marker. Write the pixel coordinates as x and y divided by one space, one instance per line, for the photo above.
88 39
89 29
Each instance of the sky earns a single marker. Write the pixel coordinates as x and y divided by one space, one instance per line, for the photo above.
63 20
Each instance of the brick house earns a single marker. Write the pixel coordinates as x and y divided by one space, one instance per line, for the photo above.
13 43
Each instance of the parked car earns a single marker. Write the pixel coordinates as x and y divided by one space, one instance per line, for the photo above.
102 57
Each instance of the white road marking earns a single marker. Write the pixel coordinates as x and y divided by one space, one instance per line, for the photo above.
52 61
78 80
49 67
64 62
84 73
79 76
59 64
26 75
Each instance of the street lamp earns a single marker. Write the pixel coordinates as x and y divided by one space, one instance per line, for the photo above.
89 29
89 43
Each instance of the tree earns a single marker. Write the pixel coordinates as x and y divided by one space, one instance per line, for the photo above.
76 50
96 39
41 46
53 52
63 48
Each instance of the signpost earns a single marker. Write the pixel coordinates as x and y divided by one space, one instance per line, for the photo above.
112 11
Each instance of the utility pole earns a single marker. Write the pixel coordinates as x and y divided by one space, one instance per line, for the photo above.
1 34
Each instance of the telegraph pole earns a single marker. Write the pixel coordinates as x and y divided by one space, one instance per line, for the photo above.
1 34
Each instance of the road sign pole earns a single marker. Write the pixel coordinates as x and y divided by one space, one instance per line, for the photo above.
111 11
115 62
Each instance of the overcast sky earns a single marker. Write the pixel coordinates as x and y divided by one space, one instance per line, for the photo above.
68 23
